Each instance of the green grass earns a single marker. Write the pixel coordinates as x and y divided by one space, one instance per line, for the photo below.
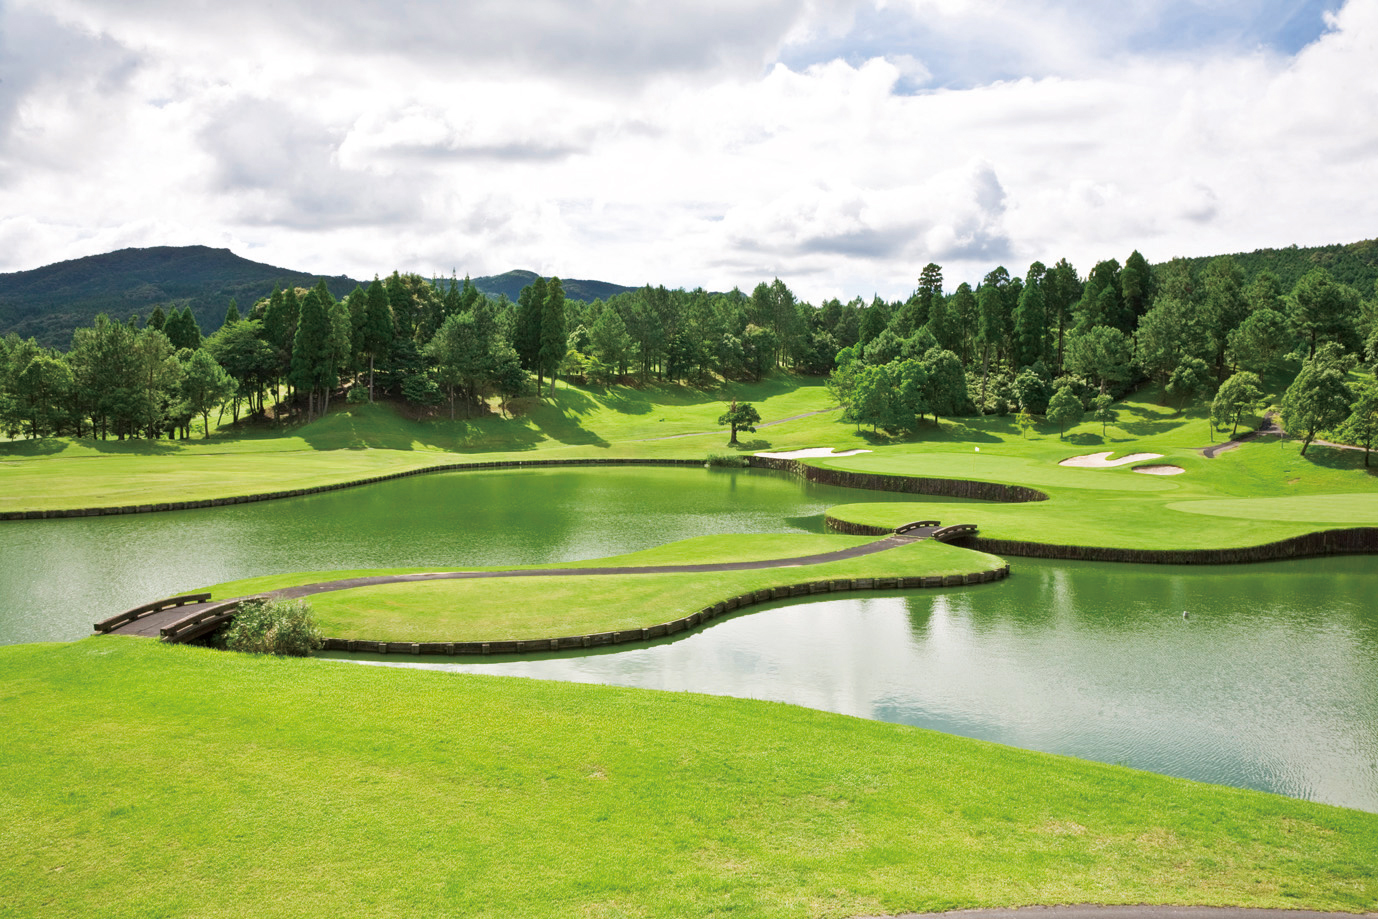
549 607
1260 492
140 780
356 442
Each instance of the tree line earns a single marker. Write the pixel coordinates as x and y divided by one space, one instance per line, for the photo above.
1049 343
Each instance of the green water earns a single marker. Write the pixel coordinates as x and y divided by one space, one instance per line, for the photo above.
1271 683
57 577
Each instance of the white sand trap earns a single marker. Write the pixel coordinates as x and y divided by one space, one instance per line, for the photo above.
1102 460
813 451
1160 469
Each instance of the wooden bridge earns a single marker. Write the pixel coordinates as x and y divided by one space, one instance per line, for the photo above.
175 620
933 529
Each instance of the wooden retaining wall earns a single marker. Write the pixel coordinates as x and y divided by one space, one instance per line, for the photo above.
910 485
1352 541
694 620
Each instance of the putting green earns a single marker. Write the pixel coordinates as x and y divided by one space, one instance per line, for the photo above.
1348 508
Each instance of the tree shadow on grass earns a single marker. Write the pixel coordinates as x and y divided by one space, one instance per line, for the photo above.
45 446
1337 458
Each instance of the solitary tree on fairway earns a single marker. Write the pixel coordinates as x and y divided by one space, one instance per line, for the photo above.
1103 410
1064 409
743 417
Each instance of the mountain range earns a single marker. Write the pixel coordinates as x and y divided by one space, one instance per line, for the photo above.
48 303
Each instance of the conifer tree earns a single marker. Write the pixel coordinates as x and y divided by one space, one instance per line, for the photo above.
311 350
378 328
554 344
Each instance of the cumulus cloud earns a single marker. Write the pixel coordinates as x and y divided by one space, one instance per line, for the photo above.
838 144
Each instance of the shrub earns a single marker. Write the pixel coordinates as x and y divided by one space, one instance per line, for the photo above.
357 395
274 627
730 460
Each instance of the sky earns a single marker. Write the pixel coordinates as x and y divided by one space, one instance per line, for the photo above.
839 145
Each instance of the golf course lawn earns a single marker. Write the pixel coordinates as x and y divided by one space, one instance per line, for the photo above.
1258 493
140 779
548 607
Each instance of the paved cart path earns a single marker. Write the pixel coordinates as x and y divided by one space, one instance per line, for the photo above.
150 624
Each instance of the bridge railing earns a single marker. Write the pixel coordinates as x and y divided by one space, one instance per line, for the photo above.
138 612
201 622
917 525
955 531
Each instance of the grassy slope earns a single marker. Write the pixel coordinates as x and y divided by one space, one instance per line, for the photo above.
548 607
145 780
363 441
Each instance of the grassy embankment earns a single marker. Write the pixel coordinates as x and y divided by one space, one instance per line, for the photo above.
139 779
547 607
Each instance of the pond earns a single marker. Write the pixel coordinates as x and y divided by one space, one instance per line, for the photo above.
57 577
1270 683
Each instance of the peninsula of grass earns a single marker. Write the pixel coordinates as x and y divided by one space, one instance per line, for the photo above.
140 779
554 606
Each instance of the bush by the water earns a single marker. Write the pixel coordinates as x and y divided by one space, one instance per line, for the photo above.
731 460
274 627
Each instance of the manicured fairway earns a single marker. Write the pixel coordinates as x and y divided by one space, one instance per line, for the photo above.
144 780
1356 508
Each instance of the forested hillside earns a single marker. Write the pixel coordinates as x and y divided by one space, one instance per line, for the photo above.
510 285
48 303
1355 264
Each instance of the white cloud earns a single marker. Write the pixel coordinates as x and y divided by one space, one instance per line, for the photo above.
657 142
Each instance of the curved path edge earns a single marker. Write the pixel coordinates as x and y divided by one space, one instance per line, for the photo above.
1140 911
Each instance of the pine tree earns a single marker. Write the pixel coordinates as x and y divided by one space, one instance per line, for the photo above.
231 313
311 350
554 344
378 328
527 335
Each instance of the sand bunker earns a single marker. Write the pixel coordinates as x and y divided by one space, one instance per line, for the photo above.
813 451
1102 460
1160 469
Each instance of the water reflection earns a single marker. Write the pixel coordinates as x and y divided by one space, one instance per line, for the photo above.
59 576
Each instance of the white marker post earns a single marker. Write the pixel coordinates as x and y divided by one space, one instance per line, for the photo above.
973 461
